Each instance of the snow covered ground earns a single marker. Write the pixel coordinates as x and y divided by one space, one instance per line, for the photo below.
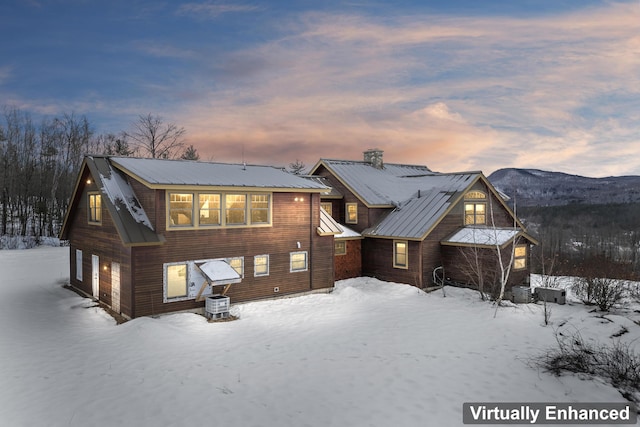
368 354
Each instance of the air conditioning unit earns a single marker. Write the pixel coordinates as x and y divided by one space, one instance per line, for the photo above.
521 294
217 307
556 295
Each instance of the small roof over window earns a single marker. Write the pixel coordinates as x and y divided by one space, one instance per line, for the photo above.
486 236
219 272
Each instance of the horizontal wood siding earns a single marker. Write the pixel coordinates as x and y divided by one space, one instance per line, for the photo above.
292 223
101 240
377 261
349 265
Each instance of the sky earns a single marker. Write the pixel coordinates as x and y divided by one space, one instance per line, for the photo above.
455 85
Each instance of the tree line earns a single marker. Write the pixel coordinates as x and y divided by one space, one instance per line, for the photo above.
39 163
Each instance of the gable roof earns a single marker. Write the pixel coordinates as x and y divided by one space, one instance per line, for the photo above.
159 174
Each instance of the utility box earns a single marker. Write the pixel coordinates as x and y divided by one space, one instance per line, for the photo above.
521 294
555 295
217 307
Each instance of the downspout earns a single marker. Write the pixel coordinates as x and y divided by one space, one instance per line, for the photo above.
310 241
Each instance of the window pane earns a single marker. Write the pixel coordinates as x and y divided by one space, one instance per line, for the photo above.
181 209
521 251
475 195
209 206
259 208
400 254
237 264
298 261
519 263
341 247
95 208
176 281
261 265
235 205
352 213
327 207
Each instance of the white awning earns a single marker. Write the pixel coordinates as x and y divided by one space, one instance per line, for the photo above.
482 236
219 272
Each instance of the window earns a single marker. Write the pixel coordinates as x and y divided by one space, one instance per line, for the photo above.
340 247
235 209
351 213
209 209
79 264
520 257
237 264
475 212
175 280
327 206
95 208
181 209
261 265
298 261
193 210
400 254
259 208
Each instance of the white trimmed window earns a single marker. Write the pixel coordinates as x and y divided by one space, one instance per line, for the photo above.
520 257
175 279
340 247
400 254
79 264
351 213
261 265
259 208
298 261
95 208
235 209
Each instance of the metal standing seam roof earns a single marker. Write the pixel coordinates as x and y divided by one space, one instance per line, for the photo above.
159 173
482 236
127 213
328 226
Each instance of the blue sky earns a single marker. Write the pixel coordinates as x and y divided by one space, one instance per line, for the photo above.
456 85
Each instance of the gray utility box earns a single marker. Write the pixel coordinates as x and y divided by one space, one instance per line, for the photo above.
556 295
521 294
217 307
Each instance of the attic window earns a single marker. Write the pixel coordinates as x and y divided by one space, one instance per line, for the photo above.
475 212
95 208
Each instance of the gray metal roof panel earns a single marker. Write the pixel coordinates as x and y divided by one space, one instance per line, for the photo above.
192 173
394 184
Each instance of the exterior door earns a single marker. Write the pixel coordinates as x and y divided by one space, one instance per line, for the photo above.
95 276
115 287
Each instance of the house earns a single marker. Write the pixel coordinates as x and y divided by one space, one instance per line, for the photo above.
151 236
419 227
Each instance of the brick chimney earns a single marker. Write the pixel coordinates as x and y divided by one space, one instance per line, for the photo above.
373 156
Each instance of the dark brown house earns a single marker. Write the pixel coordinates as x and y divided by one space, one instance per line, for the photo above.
154 236
417 225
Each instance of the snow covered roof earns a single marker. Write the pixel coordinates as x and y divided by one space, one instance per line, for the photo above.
395 183
219 272
484 236
129 217
157 173
348 233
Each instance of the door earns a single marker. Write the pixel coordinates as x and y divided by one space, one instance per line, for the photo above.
95 276
115 287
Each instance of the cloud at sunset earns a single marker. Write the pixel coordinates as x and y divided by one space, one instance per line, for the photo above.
452 90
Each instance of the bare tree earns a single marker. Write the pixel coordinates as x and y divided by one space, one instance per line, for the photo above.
155 138
297 167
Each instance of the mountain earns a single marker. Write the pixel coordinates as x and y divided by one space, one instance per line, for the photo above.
533 187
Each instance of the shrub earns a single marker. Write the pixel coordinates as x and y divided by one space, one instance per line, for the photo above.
603 292
617 362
